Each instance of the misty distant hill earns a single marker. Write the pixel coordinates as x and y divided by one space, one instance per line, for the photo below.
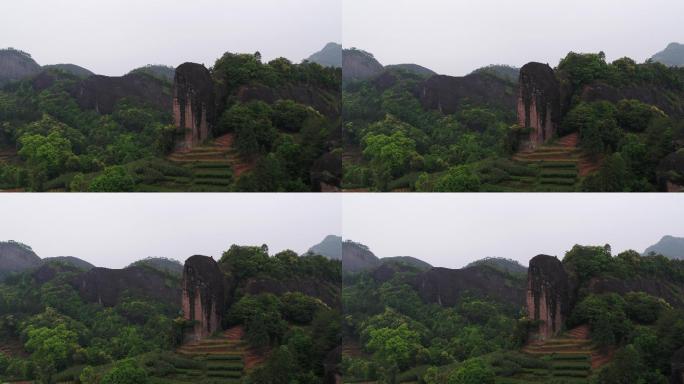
16 257
407 260
669 246
70 260
329 56
161 72
359 65
16 65
412 68
672 56
504 72
330 247
71 69
500 264
162 264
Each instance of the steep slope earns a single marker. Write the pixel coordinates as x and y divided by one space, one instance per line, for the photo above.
357 257
16 65
672 55
329 56
71 69
330 247
359 65
16 257
669 246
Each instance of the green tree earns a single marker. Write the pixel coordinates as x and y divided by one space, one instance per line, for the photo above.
394 346
113 179
472 371
125 372
461 178
51 348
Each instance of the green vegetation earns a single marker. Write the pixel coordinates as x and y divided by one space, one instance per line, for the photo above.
47 142
49 334
392 336
393 143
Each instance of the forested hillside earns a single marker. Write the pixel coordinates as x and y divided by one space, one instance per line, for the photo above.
271 127
615 127
281 323
620 317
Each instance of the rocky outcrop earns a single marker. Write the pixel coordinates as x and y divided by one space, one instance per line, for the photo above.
446 286
677 367
107 286
193 104
326 102
359 65
670 172
539 105
203 299
357 257
667 100
667 290
101 93
447 93
16 257
548 295
16 65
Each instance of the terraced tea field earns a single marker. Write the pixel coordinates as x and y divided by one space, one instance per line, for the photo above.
211 167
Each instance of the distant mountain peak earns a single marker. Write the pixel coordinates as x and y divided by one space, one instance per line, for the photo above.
329 56
330 247
672 55
669 246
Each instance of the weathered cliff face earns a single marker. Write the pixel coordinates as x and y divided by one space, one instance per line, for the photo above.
539 106
203 297
106 286
662 98
677 364
548 295
327 292
101 93
446 286
357 257
193 104
447 93
666 290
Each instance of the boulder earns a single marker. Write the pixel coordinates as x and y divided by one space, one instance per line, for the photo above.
203 296
539 106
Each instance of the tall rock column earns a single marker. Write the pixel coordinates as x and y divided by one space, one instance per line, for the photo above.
203 296
193 104
548 295
538 103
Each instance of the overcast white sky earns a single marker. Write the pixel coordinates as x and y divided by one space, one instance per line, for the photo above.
455 37
451 230
113 230
111 37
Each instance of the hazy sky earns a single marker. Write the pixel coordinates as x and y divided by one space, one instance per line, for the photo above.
451 230
111 37
113 230
455 37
